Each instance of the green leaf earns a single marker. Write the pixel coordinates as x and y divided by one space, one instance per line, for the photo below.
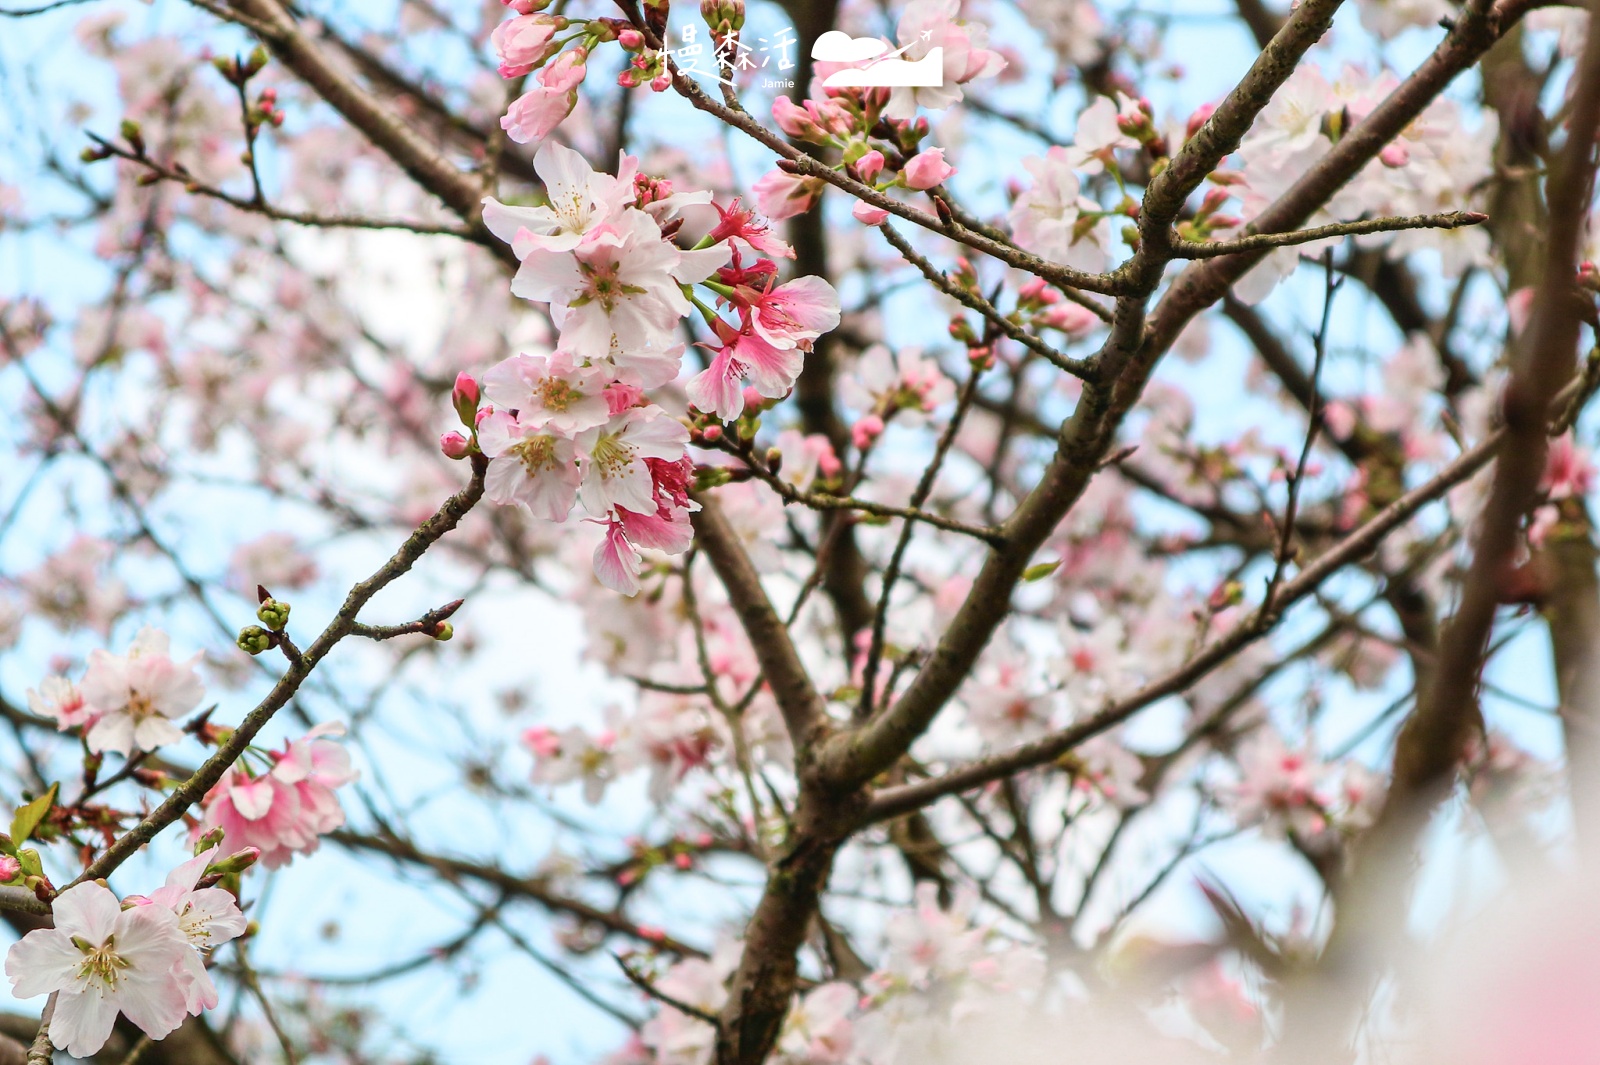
28 817
31 865
1039 571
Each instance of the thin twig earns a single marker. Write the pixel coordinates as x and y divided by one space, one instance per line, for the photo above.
1208 249
661 996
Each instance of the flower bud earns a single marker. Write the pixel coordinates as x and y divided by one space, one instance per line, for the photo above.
926 169
443 631
207 841
869 215
725 17
455 446
869 166
253 639
865 431
464 397
10 868
273 614
797 121
237 862
1214 199
631 39
133 135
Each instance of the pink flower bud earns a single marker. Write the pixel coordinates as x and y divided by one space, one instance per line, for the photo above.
867 214
869 166
464 397
631 39
454 445
683 861
542 741
796 121
9 867
753 400
1072 319
1213 201
927 169
628 79
711 434
865 431
1202 114
660 83
1395 155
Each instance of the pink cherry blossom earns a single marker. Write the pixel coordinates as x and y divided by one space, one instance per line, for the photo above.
780 195
741 225
719 388
795 313
1568 470
1054 218
581 200
529 466
283 811
58 698
616 472
134 698
1277 785
623 281
101 960
571 754
555 392
535 113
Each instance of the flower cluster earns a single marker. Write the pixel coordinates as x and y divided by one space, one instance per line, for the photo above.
1437 163
577 426
125 703
284 810
141 957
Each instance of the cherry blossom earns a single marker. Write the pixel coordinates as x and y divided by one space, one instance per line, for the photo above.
1054 218
134 698
581 200
101 960
928 24
529 466
282 812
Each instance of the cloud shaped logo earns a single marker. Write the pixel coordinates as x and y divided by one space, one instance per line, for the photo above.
885 71
838 47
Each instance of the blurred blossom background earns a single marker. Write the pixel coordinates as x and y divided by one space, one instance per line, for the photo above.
233 321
